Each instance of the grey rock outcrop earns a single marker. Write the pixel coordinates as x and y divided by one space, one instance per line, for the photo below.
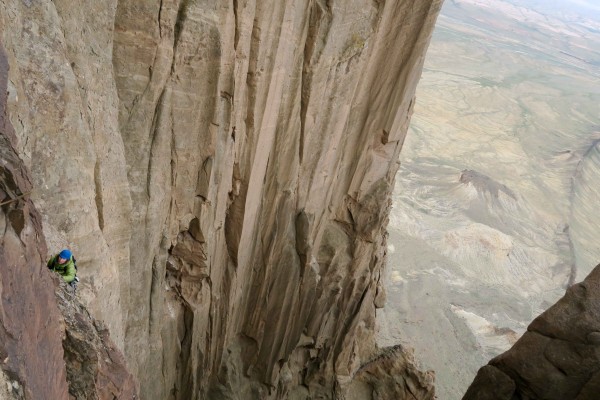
223 172
558 358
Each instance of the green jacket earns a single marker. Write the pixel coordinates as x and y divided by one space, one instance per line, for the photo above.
66 270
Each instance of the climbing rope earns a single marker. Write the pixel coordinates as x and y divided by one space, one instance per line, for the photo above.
16 198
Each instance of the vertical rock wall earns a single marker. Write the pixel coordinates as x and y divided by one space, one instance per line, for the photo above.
29 318
64 107
223 172
48 349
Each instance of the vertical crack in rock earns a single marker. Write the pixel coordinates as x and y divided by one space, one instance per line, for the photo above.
155 132
187 382
235 213
144 47
236 37
159 18
180 20
98 197
187 275
302 225
319 21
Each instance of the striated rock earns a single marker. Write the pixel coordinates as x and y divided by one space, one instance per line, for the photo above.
392 375
223 172
558 358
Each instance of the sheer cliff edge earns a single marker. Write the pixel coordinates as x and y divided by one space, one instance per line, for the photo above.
223 171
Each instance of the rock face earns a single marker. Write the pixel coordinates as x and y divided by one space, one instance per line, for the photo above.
392 375
96 369
29 316
558 358
43 355
223 172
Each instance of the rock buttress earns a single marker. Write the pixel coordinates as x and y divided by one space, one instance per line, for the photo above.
224 171
558 358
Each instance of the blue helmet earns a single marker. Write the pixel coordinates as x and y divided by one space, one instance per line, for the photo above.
66 254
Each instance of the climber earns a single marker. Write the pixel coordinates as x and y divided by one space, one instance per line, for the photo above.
64 264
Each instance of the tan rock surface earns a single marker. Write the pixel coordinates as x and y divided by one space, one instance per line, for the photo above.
223 172
392 375
96 369
43 353
29 318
